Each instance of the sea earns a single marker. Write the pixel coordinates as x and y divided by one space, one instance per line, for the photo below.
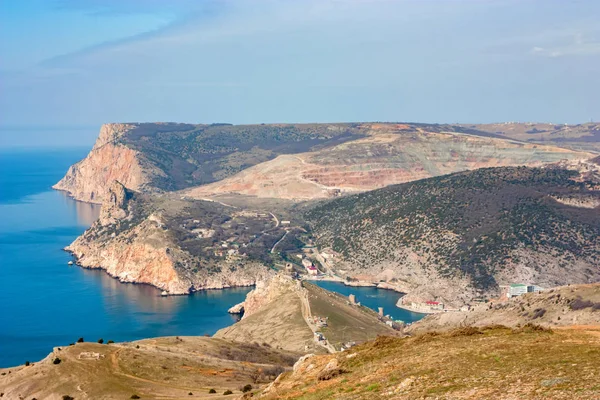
372 297
45 303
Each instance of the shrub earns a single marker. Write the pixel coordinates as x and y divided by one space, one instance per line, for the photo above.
211 391
56 361
247 388
67 397
27 363
227 392
190 394
80 340
538 313
137 346
100 340
580 304
134 396
110 341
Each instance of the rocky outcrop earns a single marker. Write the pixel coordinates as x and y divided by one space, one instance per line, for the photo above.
133 244
89 179
266 292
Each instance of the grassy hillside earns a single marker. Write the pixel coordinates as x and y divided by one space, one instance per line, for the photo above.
281 314
469 363
191 155
160 368
477 225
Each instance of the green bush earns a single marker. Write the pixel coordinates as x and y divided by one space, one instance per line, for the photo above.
27 363
80 340
100 340
247 388
211 391
56 361
227 392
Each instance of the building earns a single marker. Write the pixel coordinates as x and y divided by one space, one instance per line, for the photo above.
285 222
434 305
518 289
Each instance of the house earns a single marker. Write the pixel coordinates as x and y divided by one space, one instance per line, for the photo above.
434 305
285 222
312 270
307 263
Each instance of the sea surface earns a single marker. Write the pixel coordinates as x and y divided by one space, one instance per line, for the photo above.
373 298
46 303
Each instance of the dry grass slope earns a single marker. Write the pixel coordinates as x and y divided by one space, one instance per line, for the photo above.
472 363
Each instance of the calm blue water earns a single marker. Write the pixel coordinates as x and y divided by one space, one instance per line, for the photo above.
45 303
373 298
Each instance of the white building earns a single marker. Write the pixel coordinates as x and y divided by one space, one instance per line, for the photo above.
519 289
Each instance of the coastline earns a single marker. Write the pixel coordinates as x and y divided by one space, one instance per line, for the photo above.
417 310
190 291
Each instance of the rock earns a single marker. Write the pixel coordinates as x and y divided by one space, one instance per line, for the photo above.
237 309
89 179
301 360
331 370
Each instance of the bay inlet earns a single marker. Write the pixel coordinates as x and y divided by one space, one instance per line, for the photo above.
46 303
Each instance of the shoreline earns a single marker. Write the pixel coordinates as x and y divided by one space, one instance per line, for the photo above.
191 291
380 285
417 311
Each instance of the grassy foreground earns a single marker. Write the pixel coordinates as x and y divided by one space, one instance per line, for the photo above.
468 363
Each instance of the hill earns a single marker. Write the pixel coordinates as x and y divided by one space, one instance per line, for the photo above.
558 307
575 136
159 368
461 236
283 313
330 158
469 363
182 245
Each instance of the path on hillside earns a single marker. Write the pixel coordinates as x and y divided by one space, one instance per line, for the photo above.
307 315
279 241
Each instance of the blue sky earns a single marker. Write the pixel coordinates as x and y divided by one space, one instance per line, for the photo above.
79 63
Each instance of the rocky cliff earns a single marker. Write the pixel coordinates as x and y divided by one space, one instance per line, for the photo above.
109 160
135 240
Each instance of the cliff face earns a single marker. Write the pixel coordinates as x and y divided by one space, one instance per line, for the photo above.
89 179
132 241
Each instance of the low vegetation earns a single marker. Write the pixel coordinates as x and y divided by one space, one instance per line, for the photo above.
486 362
472 224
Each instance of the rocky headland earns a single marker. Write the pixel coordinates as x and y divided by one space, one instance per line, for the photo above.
137 240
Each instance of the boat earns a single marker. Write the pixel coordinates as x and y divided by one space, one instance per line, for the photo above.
164 293
70 263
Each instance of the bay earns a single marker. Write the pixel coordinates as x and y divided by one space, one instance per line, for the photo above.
372 297
46 303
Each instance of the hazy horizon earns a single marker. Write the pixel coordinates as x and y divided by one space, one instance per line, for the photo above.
73 63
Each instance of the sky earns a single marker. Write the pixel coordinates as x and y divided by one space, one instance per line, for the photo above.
67 66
